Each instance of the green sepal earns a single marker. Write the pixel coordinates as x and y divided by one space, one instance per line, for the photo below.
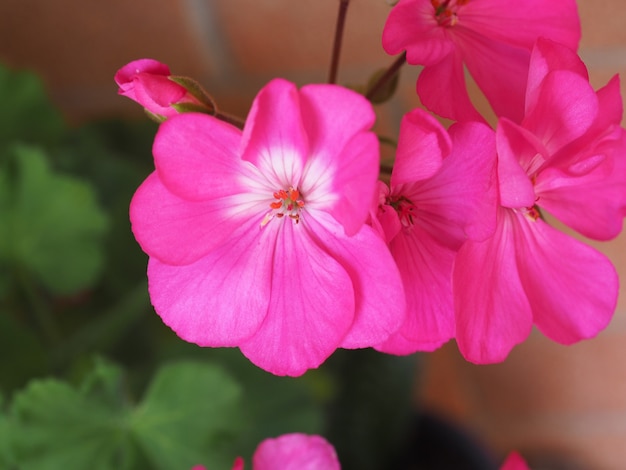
196 90
386 91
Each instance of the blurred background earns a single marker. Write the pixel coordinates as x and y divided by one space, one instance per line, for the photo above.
561 407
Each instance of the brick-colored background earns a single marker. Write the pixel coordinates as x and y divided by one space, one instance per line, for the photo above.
570 401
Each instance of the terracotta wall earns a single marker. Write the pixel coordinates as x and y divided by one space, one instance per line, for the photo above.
544 398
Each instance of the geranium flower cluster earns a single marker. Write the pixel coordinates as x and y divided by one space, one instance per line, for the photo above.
278 238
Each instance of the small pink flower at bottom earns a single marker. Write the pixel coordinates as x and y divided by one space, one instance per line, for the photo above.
257 238
295 452
291 452
514 462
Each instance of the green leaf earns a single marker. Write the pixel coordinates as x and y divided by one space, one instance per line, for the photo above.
26 113
51 223
58 427
7 459
189 416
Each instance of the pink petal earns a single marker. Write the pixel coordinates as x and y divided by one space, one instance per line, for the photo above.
157 93
178 231
196 157
441 88
610 106
125 76
502 21
590 203
565 109
378 294
548 56
311 306
274 139
346 187
422 145
572 288
460 200
295 452
492 311
221 299
342 169
518 152
514 462
332 115
411 26
426 269
500 71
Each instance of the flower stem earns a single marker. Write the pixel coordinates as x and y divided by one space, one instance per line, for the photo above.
341 20
234 120
388 75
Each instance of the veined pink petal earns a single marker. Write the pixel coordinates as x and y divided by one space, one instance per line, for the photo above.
343 163
345 187
460 200
221 299
571 287
610 106
520 156
331 116
514 461
274 139
548 56
423 143
311 307
295 452
565 109
590 203
441 88
500 70
491 307
377 288
178 231
522 22
426 269
411 26
196 157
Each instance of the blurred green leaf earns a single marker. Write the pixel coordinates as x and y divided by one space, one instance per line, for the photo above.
6 455
26 113
58 427
189 416
52 225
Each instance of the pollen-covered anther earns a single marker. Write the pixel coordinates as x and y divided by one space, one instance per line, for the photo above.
287 203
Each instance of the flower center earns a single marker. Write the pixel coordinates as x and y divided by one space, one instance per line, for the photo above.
405 208
287 203
446 11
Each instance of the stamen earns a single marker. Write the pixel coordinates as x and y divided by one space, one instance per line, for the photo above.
287 203
405 208
446 11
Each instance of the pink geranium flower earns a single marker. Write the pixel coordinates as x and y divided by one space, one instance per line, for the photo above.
257 239
291 452
567 157
148 82
443 191
514 461
492 38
